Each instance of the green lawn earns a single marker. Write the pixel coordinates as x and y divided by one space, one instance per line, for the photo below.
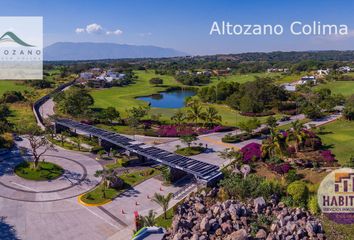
340 135
131 179
165 223
45 171
125 97
11 85
190 151
21 115
344 87
287 126
242 78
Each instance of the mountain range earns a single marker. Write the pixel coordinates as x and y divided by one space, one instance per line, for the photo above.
95 51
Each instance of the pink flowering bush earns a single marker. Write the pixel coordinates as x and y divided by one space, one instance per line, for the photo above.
327 156
176 131
251 152
281 168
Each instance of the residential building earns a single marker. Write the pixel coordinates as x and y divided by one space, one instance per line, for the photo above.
344 69
86 75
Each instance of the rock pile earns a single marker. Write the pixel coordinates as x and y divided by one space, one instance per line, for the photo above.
196 219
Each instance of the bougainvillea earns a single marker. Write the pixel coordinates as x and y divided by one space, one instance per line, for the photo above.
327 156
251 152
281 168
175 131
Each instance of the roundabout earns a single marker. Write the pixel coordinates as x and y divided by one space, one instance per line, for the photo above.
74 177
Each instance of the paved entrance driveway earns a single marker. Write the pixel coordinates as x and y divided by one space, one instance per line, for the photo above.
50 210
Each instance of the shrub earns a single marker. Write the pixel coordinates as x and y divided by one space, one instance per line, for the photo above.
299 192
288 201
251 186
12 96
268 187
96 149
312 205
292 176
281 168
251 152
231 139
327 156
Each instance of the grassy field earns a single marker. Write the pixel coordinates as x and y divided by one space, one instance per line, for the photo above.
242 78
21 115
9 85
165 223
339 135
344 87
124 97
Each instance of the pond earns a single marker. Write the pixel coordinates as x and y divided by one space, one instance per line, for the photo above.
171 99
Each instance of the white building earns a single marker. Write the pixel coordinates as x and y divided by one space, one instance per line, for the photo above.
284 70
86 75
323 72
344 69
289 87
307 79
115 75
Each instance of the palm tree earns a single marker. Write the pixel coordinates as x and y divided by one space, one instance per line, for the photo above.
163 201
178 118
150 219
195 112
211 116
296 133
274 145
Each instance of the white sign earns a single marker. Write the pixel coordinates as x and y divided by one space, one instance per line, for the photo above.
21 48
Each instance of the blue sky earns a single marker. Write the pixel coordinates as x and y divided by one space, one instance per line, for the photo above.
185 25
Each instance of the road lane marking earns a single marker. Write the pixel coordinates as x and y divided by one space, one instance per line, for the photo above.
102 218
20 185
208 139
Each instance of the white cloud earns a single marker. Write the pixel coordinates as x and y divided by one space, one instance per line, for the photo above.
145 34
116 32
94 28
79 30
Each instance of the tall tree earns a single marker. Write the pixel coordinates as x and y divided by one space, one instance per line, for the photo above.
111 114
39 144
195 112
75 101
178 118
163 201
211 116
250 125
296 134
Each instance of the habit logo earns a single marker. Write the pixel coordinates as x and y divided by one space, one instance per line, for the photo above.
336 196
344 183
10 37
